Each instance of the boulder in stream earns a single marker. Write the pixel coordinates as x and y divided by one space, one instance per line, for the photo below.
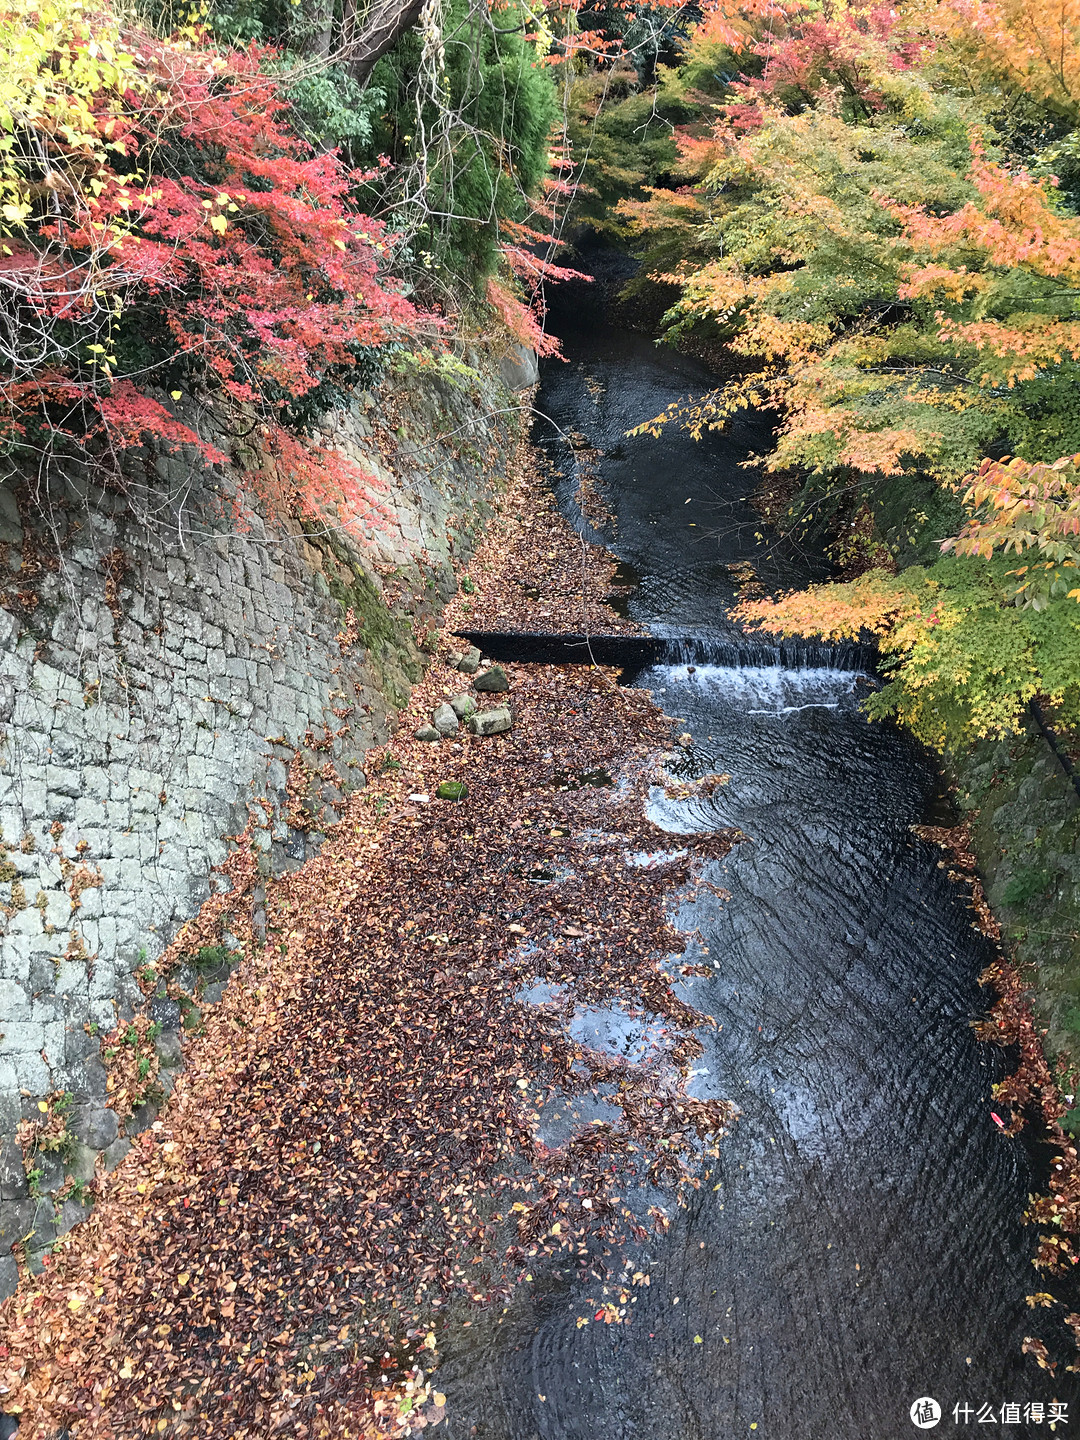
463 706
469 663
445 719
428 732
493 680
491 722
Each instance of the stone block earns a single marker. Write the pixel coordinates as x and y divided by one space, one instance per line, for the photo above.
14 1004
9 1281
90 903
491 722
71 1213
96 781
50 1170
90 812
82 1162
26 922
63 781
58 907
21 1037
94 1124
16 1221
13 1182
15 956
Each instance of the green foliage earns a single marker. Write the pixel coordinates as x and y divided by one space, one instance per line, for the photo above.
1027 884
485 143
625 136
214 957
334 110
961 662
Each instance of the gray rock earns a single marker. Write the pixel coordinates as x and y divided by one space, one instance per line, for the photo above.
186 978
170 1052
35 1259
491 722
71 1213
116 1152
470 661
445 719
492 681
428 732
12 1173
519 369
331 794
44 1224
140 1119
165 1013
95 1125
16 1222
463 706
9 1277
81 1162
52 1173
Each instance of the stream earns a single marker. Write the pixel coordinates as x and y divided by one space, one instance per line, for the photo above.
859 1243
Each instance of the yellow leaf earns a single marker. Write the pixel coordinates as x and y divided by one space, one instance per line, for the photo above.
438 1399
218 224
429 1340
43 1107
74 1302
697 1340
176 394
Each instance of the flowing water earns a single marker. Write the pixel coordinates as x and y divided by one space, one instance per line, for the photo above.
860 1241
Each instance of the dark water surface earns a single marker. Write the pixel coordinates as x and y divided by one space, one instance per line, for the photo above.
863 1245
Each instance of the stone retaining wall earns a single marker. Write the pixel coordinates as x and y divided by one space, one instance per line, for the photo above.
161 668
1026 828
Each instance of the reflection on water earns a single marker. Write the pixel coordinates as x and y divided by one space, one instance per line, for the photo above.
859 1241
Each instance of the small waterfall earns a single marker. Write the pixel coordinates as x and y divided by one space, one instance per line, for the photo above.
741 652
735 650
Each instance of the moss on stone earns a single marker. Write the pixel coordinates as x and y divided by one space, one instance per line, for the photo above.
1025 831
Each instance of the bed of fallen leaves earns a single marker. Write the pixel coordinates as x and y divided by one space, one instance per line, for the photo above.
1030 1093
353 1152
535 572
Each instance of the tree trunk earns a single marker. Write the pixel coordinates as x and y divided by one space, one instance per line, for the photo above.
366 40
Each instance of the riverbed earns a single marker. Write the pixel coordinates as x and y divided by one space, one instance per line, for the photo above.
859 1243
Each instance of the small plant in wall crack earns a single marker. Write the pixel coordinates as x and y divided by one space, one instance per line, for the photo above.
46 1134
132 1063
